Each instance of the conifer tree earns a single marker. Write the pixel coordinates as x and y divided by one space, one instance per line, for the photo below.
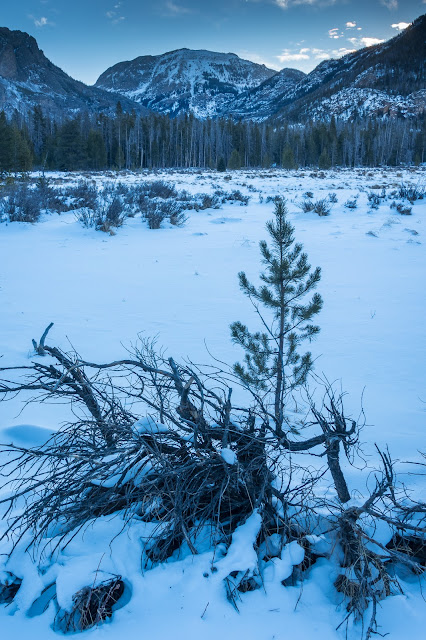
221 166
72 150
6 153
20 151
234 161
266 161
324 161
96 150
272 365
288 161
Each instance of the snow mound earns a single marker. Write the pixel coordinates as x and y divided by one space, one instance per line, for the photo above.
229 456
25 435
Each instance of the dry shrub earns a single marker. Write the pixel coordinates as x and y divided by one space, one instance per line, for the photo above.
322 207
105 216
402 208
21 204
84 194
195 463
351 203
91 606
411 192
307 205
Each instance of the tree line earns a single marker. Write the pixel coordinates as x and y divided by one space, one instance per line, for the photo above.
155 141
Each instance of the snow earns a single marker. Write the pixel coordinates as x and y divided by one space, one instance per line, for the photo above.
148 425
202 82
26 435
368 102
180 284
241 554
229 456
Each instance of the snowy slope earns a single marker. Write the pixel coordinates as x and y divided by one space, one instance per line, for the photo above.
364 103
200 82
384 79
263 101
381 279
181 285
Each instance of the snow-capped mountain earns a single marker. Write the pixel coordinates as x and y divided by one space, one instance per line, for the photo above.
204 83
28 78
387 78
263 101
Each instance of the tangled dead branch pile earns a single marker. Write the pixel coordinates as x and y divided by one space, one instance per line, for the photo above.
162 442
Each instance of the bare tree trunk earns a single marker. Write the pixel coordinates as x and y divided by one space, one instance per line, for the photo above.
336 471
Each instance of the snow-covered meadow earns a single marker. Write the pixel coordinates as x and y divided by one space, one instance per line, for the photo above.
180 284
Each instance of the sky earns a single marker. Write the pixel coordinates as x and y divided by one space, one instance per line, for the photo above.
85 37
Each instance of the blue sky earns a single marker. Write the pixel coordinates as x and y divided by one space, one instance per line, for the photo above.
84 37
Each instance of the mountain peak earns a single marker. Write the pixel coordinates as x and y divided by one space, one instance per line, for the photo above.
385 79
28 78
18 52
199 81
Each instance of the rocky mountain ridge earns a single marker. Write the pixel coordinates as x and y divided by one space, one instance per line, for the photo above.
387 79
384 79
204 83
28 78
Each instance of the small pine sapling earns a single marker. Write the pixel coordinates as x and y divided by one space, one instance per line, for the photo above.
272 365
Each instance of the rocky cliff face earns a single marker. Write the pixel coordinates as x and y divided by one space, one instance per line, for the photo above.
263 101
28 78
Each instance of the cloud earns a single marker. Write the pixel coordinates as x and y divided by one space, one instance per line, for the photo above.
365 42
258 59
350 25
286 4
400 26
334 34
312 54
114 14
343 51
174 9
392 5
41 22
370 42
288 56
320 54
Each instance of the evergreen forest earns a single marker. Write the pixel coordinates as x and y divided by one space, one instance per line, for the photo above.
130 141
